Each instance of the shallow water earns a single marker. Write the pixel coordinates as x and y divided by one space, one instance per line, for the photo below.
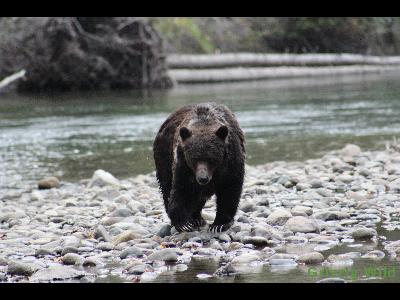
72 135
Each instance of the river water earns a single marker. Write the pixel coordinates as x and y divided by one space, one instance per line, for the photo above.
72 135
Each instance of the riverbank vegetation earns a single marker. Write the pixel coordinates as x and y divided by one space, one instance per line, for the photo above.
363 35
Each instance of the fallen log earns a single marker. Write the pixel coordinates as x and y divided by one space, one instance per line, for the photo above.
10 79
175 61
241 74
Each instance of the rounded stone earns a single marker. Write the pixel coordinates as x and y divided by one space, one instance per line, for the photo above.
302 224
48 183
311 258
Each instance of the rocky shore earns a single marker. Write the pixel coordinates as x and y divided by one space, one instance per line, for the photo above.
291 214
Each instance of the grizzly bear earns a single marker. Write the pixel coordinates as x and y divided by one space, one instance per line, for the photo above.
198 152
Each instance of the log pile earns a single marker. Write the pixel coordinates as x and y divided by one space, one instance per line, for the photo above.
82 53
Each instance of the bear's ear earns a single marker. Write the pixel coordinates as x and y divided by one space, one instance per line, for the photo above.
184 133
222 132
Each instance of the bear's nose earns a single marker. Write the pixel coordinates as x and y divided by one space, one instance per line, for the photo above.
203 180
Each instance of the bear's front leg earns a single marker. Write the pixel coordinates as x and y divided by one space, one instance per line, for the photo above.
227 203
180 210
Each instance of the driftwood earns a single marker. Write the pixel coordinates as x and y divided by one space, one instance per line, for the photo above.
10 79
175 61
241 74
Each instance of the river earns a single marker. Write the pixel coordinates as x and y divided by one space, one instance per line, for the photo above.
71 135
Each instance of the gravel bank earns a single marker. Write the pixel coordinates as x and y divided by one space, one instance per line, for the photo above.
290 214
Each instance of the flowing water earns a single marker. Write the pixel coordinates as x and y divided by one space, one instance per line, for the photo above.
72 135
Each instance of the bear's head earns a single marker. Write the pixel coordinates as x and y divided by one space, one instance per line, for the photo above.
204 149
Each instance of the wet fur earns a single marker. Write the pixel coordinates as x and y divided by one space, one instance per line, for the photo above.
174 158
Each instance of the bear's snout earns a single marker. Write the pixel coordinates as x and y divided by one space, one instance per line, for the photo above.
203 175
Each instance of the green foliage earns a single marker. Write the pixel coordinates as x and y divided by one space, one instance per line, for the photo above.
368 35
183 33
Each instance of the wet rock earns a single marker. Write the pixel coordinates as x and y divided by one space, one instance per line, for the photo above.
278 217
300 210
102 178
101 233
282 262
21 268
226 270
302 224
246 259
105 246
71 259
328 215
131 251
121 212
351 150
3 261
56 273
164 231
340 259
374 254
69 249
124 237
140 269
311 258
332 280
363 233
164 255
255 240
43 252
48 183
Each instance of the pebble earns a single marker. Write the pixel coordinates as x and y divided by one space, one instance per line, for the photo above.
131 251
48 183
71 259
101 233
311 258
119 228
21 268
278 217
363 233
164 255
302 224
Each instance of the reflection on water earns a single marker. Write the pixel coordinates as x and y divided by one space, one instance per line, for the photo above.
71 135
362 270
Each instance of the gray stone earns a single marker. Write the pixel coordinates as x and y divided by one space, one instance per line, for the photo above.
48 183
101 232
351 150
102 178
140 269
278 217
281 262
311 258
131 251
56 273
300 210
43 252
3 261
164 255
71 259
121 212
302 224
363 233
21 268
105 246
164 231
255 240
68 249
246 258
332 280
